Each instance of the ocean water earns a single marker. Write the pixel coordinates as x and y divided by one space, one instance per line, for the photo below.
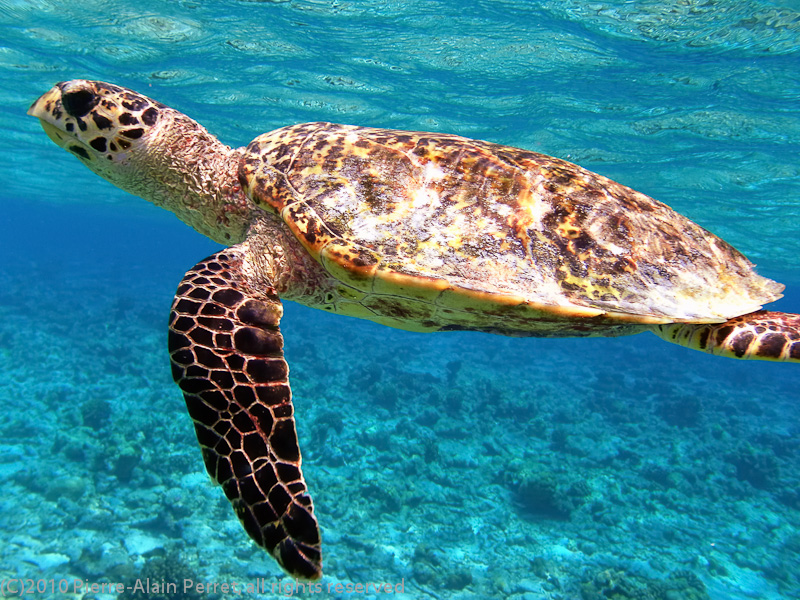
454 465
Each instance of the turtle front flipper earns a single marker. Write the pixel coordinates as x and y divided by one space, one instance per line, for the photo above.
760 335
227 357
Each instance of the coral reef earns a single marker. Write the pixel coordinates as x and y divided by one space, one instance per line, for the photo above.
161 578
611 584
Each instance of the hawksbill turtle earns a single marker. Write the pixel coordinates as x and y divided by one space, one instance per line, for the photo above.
419 231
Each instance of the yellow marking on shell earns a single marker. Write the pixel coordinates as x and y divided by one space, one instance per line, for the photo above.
640 319
595 290
350 263
460 298
525 217
568 230
466 301
305 225
315 170
455 242
388 281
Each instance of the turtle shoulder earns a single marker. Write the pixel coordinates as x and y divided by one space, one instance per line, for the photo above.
477 227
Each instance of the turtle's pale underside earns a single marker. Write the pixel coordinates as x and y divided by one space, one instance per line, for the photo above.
419 231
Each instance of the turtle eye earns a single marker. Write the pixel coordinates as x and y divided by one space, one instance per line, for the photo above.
79 103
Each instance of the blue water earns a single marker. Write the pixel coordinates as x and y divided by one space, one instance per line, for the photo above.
458 465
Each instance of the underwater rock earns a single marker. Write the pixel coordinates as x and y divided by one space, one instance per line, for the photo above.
660 474
612 584
71 488
758 468
124 463
114 562
681 411
142 544
432 568
542 493
167 568
96 413
47 560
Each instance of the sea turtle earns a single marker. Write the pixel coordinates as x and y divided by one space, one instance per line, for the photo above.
419 231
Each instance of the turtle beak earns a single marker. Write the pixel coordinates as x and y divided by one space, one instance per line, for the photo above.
48 106
49 112
43 106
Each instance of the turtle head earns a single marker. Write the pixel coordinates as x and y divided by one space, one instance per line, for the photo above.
108 128
150 150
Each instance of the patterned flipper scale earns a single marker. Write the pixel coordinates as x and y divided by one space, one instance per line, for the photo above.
227 357
761 335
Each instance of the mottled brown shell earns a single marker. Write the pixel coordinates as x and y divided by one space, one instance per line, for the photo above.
472 227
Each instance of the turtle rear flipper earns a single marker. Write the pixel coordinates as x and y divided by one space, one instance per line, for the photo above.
227 357
760 335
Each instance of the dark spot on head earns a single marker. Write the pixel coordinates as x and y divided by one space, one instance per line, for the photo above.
112 146
133 134
81 125
79 103
128 119
99 144
135 104
124 144
80 152
101 121
70 127
150 116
